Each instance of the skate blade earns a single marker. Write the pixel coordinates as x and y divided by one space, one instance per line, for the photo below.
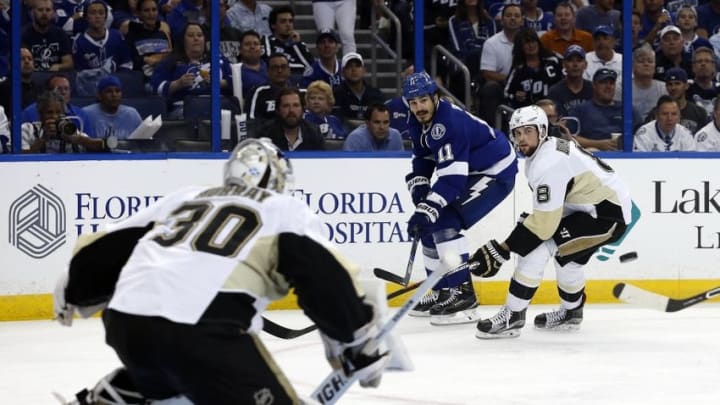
458 318
62 399
567 327
512 333
419 314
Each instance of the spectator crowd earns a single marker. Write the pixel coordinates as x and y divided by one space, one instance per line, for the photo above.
112 64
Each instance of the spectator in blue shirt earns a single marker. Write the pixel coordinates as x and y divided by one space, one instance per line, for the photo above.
326 67
187 11
186 71
399 115
253 71
108 116
319 100
601 117
376 135
708 18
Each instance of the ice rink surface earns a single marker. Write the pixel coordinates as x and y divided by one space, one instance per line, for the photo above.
621 355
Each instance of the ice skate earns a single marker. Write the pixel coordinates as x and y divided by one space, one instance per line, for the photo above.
504 324
459 306
427 302
561 319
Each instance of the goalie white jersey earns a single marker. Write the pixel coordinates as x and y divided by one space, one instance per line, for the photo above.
565 178
205 252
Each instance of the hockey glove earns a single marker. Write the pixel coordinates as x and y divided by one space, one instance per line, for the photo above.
426 213
487 260
419 187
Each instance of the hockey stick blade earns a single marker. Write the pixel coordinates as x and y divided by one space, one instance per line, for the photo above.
336 383
388 276
644 298
283 332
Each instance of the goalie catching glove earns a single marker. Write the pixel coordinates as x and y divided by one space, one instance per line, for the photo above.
361 357
487 260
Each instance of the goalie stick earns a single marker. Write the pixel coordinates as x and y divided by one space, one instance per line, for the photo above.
394 278
638 296
337 383
283 332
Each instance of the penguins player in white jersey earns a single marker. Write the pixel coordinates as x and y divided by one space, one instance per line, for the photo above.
579 204
186 280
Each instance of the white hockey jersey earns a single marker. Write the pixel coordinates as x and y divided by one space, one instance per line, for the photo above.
648 139
707 139
565 178
199 246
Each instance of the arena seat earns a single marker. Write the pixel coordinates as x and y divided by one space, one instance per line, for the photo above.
199 107
334 144
133 83
147 105
170 131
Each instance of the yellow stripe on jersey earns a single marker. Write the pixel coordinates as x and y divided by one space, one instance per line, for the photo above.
588 189
544 223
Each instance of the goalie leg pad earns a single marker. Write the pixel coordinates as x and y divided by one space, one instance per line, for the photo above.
399 358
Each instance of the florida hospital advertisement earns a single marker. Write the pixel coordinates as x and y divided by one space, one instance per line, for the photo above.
364 205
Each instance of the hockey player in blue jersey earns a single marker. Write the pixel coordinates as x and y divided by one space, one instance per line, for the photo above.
475 167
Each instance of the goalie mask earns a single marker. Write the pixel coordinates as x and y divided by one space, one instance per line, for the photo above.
259 163
529 116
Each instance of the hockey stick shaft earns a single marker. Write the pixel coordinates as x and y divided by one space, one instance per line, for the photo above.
283 332
641 297
336 383
394 278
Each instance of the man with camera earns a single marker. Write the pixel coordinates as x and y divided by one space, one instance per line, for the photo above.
55 133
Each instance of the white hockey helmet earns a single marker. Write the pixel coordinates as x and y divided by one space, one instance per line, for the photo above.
258 162
530 115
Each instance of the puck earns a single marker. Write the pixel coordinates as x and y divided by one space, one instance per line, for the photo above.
627 257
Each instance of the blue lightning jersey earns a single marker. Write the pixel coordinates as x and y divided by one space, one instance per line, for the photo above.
457 144
318 72
111 52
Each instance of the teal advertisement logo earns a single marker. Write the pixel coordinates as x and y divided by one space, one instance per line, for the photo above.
607 251
37 222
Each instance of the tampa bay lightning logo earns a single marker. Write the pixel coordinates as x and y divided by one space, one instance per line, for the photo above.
437 131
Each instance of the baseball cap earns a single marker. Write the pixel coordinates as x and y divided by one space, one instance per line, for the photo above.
109 81
676 74
574 50
670 28
327 33
604 74
603 29
352 56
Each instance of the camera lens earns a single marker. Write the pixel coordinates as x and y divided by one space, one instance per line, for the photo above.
66 127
